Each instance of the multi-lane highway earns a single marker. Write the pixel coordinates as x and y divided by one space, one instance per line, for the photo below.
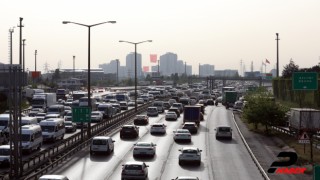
221 159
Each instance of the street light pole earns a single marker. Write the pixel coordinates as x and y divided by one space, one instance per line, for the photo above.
11 31
277 34
135 69
117 72
23 57
74 57
88 86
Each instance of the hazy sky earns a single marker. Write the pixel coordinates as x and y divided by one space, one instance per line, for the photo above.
218 32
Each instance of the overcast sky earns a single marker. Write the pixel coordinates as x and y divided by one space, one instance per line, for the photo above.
217 32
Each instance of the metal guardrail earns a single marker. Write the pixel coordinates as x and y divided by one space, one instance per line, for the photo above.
41 160
263 173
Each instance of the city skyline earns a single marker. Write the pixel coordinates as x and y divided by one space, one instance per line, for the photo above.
207 32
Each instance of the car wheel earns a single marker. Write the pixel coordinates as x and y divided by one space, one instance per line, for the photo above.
217 137
199 163
180 162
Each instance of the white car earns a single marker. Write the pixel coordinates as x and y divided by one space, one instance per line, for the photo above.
182 135
158 128
152 111
171 101
144 149
171 116
151 97
96 116
134 170
68 116
186 178
223 132
190 154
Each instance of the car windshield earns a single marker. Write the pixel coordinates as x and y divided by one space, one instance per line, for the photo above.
25 137
143 144
182 131
5 152
189 125
3 123
133 167
47 128
224 129
171 112
67 123
69 114
193 151
157 125
99 142
128 128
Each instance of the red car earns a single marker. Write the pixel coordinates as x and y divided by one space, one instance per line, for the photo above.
141 120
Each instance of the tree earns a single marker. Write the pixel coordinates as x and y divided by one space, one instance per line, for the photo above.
289 69
262 109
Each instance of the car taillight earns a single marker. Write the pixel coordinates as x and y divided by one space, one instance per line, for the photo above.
142 171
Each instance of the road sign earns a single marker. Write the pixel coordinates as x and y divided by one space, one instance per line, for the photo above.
316 172
304 138
305 81
81 114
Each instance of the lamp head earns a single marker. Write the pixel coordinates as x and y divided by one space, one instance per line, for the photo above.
112 22
149 40
65 22
121 41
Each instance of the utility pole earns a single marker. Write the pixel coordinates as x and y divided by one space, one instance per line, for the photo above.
185 68
240 67
35 60
277 34
11 31
23 57
74 57
117 72
199 69
158 68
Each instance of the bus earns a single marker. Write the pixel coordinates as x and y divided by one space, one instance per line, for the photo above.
79 94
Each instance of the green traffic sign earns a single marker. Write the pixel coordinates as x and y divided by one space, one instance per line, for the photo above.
81 114
305 81
316 172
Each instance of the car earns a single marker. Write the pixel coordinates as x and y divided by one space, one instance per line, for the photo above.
158 128
152 111
53 177
238 105
134 170
179 106
40 116
131 103
166 105
144 149
210 102
151 97
117 107
101 144
191 126
141 120
190 154
34 111
68 116
145 97
170 115
70 126
171 101
96 116
129 131
203 101
140 101
123 105
182 135
5 155
176 110
68 102
186 178
223 132
113 101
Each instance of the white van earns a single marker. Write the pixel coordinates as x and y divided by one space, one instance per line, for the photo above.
5 155
53 177
4 121
28 120
52 129
31 137
101 144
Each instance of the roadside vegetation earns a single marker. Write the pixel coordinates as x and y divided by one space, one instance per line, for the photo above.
262 111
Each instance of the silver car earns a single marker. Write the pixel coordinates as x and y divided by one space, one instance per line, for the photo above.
182 135
144 149
134 170
190 154
223 132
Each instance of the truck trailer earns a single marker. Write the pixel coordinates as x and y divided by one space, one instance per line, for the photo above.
192 114
43 100
304 119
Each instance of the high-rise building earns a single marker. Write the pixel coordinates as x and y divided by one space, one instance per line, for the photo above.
180 67
112 68
206 70
168 64
130 63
